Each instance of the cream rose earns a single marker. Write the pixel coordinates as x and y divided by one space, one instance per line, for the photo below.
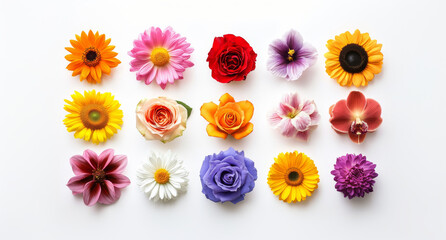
161 119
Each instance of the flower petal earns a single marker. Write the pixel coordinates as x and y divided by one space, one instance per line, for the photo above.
91 157
341 117
207 111
118 180
105 158
108 195
77 183
248 110
372 115
225 99
301 122
117 164
356 138
356 102
243 131
214 131
80 165
92 191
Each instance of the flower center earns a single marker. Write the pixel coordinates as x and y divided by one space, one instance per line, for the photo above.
91 56
291 54
159 116
294 177
94 116
162 176
293 114
159 56
98 175
359 127
353 58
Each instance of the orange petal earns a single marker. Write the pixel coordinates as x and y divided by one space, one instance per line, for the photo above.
244 131
356 102
213 131
341 117
372 114
248 110
358 78
225 99
207 111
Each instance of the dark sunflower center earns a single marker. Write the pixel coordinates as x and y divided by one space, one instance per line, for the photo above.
98 175
294 176
353 58
91 55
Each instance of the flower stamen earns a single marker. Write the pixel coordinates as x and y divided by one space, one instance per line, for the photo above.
91 56
162 176
160 56
291 54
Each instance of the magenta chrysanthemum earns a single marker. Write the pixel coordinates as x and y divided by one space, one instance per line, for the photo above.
161 56
295 117
290 56
354 175
98 178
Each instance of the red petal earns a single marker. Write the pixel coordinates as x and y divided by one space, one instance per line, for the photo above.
92 191
80 165
330 110
357 138
356 102
372 115
341 117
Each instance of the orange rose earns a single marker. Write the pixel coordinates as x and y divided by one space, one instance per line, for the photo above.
229 117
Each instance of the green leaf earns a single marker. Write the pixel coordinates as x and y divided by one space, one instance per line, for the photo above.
189 109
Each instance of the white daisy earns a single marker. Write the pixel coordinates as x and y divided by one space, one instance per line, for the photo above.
162 176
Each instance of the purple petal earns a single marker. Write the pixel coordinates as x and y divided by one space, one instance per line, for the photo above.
294 40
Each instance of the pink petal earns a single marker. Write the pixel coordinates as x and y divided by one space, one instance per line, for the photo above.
117 164
92 191
341 117
372 115
77 183
146 68
356 102
105 157
309 107
118 180
108 195
92 158
275 119
151 76
356 138
287 128
80 165
285 109
315 118
303 135
293 100
301 122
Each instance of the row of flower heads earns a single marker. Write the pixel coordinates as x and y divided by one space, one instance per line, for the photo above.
163 56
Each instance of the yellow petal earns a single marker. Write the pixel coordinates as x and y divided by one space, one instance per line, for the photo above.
358 78
213 131
244 131
225 99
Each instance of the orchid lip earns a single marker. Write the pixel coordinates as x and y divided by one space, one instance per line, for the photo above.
359 127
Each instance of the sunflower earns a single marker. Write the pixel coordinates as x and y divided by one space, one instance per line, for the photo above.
293 176
93 116
353 58
91 55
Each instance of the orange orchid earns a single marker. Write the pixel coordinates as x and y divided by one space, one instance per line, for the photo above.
228 118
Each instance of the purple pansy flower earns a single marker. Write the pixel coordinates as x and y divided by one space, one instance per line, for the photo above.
290 56
227 176
354 175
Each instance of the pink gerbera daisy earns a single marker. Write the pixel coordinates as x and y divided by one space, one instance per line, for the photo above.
161 56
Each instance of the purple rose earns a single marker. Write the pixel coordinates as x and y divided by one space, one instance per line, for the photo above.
227 176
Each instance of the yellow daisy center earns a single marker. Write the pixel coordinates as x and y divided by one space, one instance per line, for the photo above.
94 116
91 56
159 56
294 176
162 176
291 54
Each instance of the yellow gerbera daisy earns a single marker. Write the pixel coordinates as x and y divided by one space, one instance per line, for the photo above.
93 116
293 177
353 58
91 56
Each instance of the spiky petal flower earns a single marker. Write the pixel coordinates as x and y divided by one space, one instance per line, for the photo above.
295 117
290 56
162 176
160 55
98 178
354 175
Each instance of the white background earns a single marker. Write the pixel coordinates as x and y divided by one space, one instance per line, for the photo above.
408 148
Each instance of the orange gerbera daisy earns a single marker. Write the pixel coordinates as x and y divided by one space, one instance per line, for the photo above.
91 55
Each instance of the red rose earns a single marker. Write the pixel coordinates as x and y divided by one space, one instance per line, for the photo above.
231 58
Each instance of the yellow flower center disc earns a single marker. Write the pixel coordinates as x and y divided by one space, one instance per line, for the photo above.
294 177
162 176
159 56
94 116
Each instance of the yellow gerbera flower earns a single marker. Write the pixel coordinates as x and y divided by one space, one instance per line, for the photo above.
91 56
353 58
93 116
293 177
